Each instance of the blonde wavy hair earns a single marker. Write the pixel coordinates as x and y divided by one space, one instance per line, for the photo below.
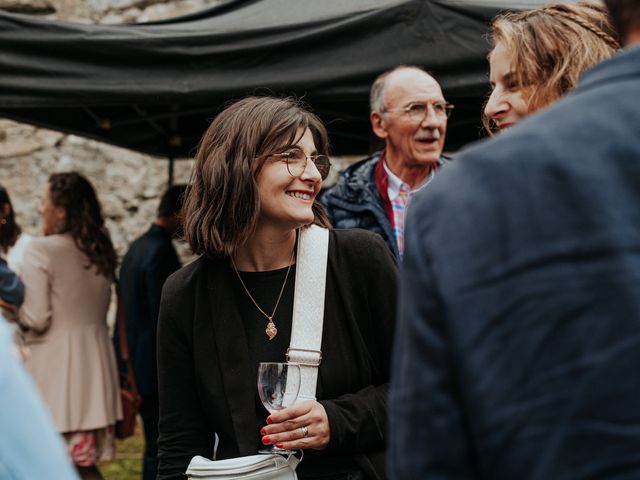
552 46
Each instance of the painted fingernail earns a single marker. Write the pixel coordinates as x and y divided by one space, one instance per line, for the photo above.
279 445
269 421
263 431
266 440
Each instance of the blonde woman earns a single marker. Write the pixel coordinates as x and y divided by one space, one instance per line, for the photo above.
538 55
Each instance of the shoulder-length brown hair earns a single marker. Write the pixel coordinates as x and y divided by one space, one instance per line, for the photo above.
9 229
83 219
222 203
552 46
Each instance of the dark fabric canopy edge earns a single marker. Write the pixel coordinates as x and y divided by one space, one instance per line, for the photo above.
154 87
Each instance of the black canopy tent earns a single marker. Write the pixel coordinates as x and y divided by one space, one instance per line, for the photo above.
154 87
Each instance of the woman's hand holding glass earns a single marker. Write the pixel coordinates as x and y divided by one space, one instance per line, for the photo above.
303 425
278 386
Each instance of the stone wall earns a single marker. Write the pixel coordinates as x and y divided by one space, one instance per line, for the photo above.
106 11
129 184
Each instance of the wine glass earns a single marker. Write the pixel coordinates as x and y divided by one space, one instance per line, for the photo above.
278 386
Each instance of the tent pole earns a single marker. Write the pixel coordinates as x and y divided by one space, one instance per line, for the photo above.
170 183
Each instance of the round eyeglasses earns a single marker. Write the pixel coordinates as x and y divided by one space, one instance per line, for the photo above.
296 161
417 111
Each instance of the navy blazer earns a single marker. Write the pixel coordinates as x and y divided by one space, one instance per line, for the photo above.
518 346
149 261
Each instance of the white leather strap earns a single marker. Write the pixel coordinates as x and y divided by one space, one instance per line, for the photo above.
308 308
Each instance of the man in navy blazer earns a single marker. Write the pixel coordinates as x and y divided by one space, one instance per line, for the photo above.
518 347
149 261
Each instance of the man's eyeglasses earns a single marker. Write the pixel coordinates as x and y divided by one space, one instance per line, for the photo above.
417 111
297 162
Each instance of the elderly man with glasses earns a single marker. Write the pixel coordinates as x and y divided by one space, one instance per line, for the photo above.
408 112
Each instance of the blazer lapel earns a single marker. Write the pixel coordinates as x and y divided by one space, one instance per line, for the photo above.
231 345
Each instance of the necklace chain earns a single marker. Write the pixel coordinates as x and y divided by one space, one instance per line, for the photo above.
271 329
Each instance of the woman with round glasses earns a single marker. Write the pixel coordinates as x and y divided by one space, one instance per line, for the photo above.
259 168
538 55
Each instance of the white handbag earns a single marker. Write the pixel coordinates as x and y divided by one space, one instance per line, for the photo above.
304 349
254 467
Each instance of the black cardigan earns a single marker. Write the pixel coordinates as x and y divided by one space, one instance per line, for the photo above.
206 383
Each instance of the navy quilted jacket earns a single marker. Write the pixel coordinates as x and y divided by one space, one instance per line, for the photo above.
354 201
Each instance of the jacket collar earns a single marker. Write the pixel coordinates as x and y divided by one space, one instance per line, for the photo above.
360 180
158 230
364 183
624 64
381 178
233 355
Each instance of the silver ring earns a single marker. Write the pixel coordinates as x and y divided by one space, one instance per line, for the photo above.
305 432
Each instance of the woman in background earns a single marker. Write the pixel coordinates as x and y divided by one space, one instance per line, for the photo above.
68 275
12 239
539 55
12 244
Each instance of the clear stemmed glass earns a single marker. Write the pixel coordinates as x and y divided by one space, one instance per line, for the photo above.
278 386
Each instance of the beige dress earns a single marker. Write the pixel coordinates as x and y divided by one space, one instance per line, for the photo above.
71 355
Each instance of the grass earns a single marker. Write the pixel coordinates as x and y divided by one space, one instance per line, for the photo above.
128 462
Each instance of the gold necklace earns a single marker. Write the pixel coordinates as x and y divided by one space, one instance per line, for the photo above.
271 329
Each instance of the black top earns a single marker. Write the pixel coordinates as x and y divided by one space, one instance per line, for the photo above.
207 381
265 288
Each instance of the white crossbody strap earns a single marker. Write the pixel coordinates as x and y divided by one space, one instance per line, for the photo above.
308 308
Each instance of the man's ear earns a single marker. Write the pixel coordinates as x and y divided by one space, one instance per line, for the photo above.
379 125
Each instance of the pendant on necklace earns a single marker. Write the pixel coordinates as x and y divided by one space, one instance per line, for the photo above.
271 329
